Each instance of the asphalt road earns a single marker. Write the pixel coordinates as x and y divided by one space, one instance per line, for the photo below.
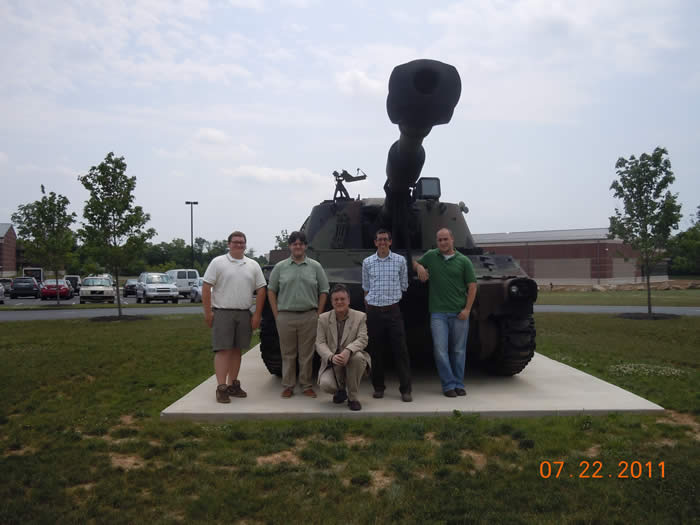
59 313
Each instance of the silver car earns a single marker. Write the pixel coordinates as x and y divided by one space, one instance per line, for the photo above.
156 287
196 291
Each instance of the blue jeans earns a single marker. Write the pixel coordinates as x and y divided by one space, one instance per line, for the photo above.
449 348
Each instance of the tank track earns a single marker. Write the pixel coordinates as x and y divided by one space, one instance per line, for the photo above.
517 346
270 343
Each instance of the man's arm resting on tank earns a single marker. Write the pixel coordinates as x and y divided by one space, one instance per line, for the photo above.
259 305
423 274
322 302
471 295
272 298
206 304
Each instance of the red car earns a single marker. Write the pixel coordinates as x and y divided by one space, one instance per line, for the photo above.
49 287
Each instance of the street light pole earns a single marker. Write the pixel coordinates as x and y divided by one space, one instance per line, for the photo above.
192 204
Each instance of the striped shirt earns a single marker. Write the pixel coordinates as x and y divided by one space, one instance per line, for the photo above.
384 279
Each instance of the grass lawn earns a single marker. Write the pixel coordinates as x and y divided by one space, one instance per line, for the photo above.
621 298
81 439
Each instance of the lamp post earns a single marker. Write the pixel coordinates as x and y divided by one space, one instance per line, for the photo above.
192 204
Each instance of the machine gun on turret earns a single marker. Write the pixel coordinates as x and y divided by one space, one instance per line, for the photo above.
340 191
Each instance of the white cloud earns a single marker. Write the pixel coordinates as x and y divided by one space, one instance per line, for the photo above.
267 174
211 136
257 5
358 82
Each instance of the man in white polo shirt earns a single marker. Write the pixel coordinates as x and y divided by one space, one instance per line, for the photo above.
227 296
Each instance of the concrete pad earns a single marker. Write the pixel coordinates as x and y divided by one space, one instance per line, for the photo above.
545 387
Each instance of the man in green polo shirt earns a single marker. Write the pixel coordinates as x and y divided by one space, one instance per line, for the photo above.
451 294
297 292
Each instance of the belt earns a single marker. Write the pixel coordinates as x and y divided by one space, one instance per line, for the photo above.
299 311
232 309
387 308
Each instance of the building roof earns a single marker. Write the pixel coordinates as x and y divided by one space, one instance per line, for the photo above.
4 228
584 234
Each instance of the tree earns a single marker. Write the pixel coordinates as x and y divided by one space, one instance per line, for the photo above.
114 228
650 210
282 240
44 226
684 249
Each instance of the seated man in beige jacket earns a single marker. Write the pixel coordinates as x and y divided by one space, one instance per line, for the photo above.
341 338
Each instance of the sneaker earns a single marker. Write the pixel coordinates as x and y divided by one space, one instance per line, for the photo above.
309 392
461 391
235 390
340 396
222 394
354 405
406 397
287 392
450 393
378 394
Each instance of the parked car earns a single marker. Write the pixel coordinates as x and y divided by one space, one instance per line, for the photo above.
50 288
196 291
75 281
97 290
23 287
2 295
6 283
129 287
156 287
183 278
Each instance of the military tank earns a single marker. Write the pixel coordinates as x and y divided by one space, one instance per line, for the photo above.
341 230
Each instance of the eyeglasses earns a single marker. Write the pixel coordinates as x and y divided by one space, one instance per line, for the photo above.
236 242
383 239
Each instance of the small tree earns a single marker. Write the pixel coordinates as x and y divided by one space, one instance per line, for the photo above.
684 249
114 228
44 226
650 210
282 240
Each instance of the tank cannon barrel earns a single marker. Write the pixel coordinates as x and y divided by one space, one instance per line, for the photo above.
422 94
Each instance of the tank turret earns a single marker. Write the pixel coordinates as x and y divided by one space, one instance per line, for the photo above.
340 231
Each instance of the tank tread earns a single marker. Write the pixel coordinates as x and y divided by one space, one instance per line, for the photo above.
270 345
517 346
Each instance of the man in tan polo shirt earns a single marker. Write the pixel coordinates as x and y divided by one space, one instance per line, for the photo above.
227 295
297 293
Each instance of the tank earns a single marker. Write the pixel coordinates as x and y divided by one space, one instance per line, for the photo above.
340 232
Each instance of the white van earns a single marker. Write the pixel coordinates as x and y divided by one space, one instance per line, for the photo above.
183 278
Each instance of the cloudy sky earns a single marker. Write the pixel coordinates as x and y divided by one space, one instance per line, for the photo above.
248 106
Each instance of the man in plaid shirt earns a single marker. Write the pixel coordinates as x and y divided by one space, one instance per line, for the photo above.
384 279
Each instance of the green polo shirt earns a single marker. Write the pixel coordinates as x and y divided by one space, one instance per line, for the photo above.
449 280
298 285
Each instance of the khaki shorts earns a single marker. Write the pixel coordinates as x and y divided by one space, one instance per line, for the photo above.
230 329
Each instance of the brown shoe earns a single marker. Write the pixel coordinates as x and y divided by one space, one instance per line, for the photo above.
287 392
309 392
235 390
222 394
354 405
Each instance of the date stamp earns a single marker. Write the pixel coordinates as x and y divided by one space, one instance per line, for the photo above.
597 470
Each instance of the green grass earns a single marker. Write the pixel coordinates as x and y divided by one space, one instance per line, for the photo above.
621 298
81 439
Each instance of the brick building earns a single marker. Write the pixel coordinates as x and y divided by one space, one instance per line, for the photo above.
8 250
584 256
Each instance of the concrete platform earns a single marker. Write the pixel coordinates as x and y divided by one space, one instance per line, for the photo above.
545 387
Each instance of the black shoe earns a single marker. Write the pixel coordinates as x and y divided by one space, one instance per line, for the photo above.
450 393
461 391
222 394
340 396
406 397
354 405
378 394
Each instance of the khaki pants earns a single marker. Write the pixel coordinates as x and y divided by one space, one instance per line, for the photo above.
348 376
297 331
